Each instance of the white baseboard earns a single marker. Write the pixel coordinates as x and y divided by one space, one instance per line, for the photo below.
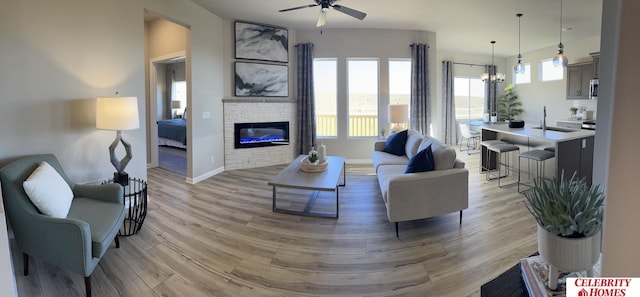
202 177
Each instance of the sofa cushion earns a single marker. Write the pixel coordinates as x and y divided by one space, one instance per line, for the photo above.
382 158
413 142
444 156
421 162
395 143
48 191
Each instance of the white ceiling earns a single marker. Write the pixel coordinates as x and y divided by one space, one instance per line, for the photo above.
461 25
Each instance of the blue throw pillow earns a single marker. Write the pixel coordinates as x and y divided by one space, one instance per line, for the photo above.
421 162
395 143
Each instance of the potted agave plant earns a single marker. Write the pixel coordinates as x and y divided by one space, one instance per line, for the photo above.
569 214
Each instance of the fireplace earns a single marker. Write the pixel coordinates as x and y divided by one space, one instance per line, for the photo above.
248 135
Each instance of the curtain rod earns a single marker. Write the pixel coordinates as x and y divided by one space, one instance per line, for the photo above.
468 64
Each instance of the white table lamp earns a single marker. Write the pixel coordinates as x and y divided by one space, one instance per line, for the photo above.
118 114
398 115
175 105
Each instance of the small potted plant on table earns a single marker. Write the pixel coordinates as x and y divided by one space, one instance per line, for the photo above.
569 215
509 107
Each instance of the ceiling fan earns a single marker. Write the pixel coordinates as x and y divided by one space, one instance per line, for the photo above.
325 4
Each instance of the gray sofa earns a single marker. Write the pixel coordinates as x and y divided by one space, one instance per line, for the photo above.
412 196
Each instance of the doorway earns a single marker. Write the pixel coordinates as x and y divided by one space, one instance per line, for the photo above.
166 44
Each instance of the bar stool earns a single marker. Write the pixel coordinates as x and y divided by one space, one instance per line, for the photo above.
484 144
536 155
501 149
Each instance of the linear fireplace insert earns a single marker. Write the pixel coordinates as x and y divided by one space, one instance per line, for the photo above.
248 135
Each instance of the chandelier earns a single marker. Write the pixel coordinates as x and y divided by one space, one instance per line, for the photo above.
496 76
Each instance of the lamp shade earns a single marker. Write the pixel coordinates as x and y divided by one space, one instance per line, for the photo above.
399 113
117 113
175 104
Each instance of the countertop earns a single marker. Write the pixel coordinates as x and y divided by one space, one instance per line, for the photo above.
530 131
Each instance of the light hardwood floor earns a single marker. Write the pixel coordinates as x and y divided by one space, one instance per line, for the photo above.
220 238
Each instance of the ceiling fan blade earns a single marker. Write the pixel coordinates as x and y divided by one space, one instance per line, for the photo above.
322 18
350 11
298 7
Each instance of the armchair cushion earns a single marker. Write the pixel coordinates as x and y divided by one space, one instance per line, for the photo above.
104 219
48 191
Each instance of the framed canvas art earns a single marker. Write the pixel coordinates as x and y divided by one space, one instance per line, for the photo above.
261 42
261 80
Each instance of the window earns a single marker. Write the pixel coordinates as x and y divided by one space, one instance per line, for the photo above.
549 72
400 82
523 78
326 94
179 92
469 96
362 80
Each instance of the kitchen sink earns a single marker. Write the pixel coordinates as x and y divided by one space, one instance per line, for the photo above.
557 129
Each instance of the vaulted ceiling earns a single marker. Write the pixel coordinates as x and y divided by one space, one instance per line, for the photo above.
460 25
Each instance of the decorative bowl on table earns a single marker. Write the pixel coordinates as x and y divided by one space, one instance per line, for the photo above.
516 124
307 166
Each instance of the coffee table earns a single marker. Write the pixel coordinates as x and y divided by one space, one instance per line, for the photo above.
294 178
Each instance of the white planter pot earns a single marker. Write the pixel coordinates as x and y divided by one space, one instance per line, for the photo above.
568 254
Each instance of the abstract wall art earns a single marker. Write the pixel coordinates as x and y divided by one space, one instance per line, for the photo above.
261 42
261 80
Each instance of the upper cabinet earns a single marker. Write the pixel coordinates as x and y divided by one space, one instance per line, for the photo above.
578 77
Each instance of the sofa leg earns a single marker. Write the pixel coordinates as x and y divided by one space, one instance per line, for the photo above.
461 217
117 240
87 285
396 229
25 264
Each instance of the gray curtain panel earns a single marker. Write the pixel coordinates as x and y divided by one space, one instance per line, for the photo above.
166 108
306 98
449 123
491 89
420 93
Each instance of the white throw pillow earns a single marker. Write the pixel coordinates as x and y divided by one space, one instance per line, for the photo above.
48 191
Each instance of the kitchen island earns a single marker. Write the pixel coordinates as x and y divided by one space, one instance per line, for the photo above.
573 148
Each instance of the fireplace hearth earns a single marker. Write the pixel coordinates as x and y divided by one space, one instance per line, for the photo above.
251 135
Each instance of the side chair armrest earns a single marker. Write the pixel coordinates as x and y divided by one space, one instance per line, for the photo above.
107 192
60 241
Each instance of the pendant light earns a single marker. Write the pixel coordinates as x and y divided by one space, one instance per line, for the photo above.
519 67
560 60
497 77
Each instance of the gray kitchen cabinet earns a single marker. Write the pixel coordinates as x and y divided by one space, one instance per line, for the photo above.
578 77
577 156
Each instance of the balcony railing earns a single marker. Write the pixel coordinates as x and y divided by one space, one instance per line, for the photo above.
359 125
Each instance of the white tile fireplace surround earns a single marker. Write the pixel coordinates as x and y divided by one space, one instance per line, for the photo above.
257 111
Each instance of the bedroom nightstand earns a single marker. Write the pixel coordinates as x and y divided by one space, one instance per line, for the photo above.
135 204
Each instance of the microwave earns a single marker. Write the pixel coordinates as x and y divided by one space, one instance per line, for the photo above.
593 89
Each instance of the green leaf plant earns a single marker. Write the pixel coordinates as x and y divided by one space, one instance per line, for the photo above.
567 208
509 106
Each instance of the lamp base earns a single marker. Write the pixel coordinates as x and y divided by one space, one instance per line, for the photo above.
121 178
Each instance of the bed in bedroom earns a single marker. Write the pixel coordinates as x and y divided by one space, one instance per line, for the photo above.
172 133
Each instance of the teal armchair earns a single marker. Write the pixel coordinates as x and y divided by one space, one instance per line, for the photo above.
76 242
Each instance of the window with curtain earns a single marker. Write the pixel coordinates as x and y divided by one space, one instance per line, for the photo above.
179 92
363 94
469 96
326 95
400 82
